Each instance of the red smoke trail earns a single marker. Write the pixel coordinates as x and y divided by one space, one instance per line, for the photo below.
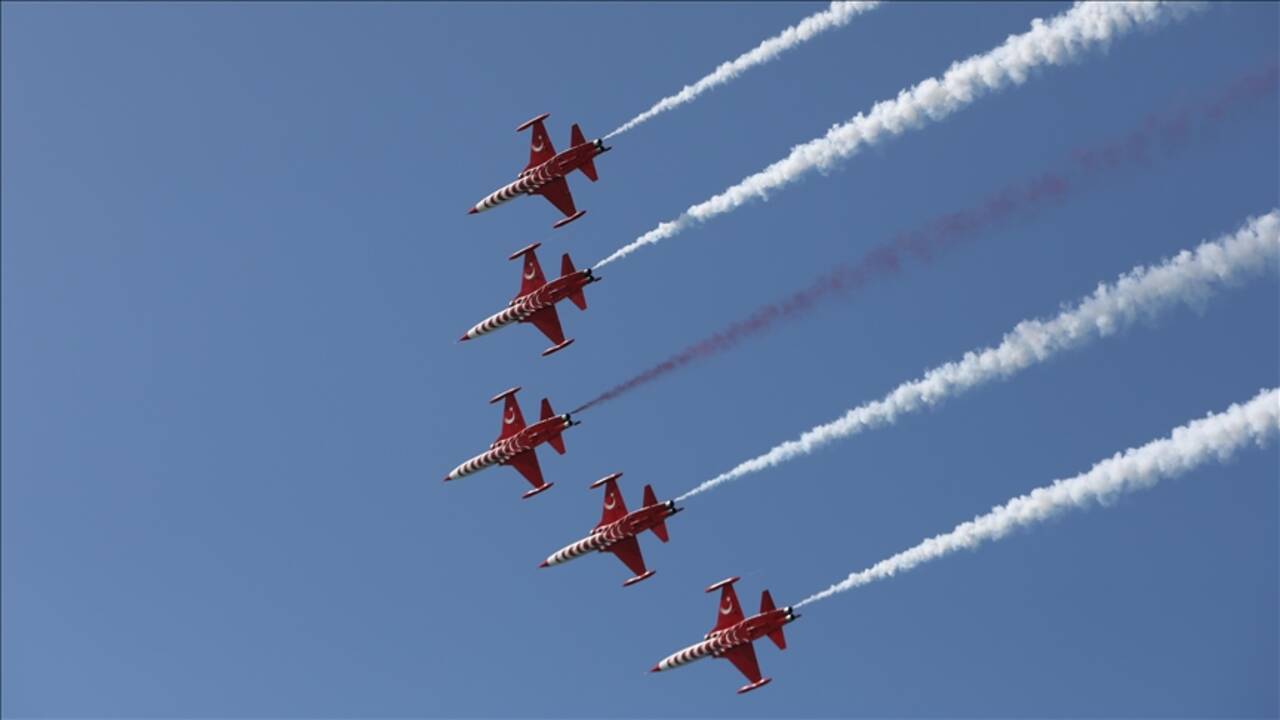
1160 133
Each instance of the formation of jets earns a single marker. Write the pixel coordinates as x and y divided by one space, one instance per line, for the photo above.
618 530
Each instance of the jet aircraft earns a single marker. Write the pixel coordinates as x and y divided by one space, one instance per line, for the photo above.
618 530
516 443
733 634
546 171
536 302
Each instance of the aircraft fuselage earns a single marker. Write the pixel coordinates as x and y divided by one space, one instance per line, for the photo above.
523 307
718 642
606 536
529 180
503 451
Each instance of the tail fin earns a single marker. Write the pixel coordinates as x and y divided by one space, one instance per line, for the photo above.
650 499
588 166
556 441
766 604
576 297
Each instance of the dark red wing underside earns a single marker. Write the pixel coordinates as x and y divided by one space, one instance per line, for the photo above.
557 191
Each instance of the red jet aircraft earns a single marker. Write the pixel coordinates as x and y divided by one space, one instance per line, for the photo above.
537 300
732 636
618 529
515 444
546 171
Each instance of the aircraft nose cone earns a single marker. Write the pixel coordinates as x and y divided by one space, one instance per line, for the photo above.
464 338
472 211
656 668
543 564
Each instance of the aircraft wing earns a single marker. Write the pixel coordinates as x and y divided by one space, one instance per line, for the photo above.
540 147
730 612
548 321
614 506
628 551
527 464
512 418
743 657
557 191
532 277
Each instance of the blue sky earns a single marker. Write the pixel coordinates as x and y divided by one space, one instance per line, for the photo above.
236 260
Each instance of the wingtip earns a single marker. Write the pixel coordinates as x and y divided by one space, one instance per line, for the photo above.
540 489
565 221
557 348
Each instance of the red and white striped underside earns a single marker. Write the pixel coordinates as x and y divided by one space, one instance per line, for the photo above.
498 455
712 647
599 541
522 310
523 186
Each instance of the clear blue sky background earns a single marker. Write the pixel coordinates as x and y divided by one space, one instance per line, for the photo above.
236 261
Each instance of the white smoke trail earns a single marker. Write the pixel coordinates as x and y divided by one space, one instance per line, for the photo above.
1084 26
1213 437
836 16
1190 276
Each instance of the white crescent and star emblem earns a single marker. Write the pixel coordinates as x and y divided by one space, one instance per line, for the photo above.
510 418
531 272
728 606
609 502
537 145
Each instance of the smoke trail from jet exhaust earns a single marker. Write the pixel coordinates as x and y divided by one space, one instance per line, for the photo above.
1085 26
1159 134
1213 437
837 15
1188 277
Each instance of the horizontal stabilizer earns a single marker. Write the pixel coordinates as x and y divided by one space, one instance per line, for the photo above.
661 530
778 639
588 166
766 605
567 269
557 442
